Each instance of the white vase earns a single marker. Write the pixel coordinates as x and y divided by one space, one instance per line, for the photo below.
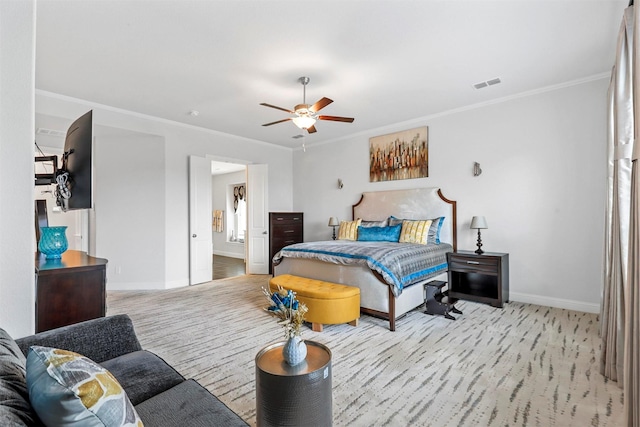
294 350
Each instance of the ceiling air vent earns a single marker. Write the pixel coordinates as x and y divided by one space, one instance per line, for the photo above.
487 83
43 131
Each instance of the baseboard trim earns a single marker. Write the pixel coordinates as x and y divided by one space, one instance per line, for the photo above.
555 302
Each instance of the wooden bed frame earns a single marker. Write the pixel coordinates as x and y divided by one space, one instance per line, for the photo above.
376 296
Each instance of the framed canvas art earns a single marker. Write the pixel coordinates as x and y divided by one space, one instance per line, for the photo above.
399 155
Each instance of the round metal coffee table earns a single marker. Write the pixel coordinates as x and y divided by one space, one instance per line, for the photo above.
294 395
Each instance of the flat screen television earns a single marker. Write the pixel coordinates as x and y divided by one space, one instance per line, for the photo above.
76 187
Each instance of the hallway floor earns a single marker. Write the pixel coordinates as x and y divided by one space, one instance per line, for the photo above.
224 267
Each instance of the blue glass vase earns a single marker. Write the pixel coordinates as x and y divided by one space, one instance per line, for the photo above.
53 241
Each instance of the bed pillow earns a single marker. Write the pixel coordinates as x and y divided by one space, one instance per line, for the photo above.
415 231
382 223
68 389
434 231
433 237
349 230
379 234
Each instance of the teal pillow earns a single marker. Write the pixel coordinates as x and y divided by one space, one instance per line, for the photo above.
379 234
67 389
433 238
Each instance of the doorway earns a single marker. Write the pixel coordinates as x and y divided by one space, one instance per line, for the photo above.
228 184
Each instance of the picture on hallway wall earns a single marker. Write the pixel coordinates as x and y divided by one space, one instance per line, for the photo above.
399 155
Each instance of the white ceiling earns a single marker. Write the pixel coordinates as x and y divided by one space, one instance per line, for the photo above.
382 62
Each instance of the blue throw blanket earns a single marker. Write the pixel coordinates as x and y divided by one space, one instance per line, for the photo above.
400 264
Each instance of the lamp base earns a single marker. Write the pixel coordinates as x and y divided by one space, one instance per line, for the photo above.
479 251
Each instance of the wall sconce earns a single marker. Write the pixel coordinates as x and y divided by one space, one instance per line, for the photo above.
333 222
476 169
479 223
340 184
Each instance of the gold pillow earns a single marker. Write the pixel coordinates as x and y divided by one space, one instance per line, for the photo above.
415 231
349 230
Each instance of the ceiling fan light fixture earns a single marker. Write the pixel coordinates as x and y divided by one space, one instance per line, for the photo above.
304 122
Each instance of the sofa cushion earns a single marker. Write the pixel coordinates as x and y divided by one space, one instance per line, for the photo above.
142 374
15 409
98 339
68 389
187 404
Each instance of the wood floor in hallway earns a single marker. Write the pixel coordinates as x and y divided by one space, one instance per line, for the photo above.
224 267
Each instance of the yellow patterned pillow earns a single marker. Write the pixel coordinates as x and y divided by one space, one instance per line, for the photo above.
349 230
66 388
415 231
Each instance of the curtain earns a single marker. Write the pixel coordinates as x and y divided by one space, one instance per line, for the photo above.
620 142
631 364
632 306
620 311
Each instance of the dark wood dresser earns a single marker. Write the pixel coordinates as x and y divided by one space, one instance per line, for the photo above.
69 290
285 228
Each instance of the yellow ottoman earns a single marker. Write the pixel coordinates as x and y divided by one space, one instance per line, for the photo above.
328 303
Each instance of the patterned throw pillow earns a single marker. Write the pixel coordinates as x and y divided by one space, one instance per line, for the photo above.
415 231
67 389
434 229
349 230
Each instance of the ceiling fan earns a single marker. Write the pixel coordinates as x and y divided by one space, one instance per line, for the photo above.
306 115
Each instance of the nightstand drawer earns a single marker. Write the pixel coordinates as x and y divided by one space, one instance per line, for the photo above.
475 264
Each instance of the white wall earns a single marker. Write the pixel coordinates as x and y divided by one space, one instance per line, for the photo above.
129 200
180 141
542 189
17 231
219 187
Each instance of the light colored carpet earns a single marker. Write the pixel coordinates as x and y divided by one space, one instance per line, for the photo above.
523 365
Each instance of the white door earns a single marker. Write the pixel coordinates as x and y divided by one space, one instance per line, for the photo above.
200 240
258 220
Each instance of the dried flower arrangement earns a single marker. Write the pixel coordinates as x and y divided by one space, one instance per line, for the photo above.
284 306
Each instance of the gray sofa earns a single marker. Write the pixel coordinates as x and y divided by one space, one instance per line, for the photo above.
160 395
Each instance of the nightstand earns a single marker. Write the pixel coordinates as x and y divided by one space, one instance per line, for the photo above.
481 278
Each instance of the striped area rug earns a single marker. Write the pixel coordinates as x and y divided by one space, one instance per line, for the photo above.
524 365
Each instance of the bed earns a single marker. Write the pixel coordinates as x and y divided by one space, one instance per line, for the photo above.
379 297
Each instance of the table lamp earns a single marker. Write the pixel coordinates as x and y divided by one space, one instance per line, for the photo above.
333 222
479 222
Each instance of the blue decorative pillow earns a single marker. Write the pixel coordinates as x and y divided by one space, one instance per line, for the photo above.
67 389
379 234
433 238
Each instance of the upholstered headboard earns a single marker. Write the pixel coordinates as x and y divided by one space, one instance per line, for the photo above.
415 203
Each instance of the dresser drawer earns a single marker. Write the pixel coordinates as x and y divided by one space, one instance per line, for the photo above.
473 264
285 218
287 230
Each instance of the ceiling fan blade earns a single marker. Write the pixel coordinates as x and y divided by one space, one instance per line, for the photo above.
312 129
277 108
279 121
320 105
336 119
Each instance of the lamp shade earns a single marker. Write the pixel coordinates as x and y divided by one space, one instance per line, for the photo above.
333 222
479 222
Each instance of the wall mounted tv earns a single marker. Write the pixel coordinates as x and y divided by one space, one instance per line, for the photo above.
74 178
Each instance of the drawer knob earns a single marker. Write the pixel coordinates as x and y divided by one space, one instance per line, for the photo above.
473 262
